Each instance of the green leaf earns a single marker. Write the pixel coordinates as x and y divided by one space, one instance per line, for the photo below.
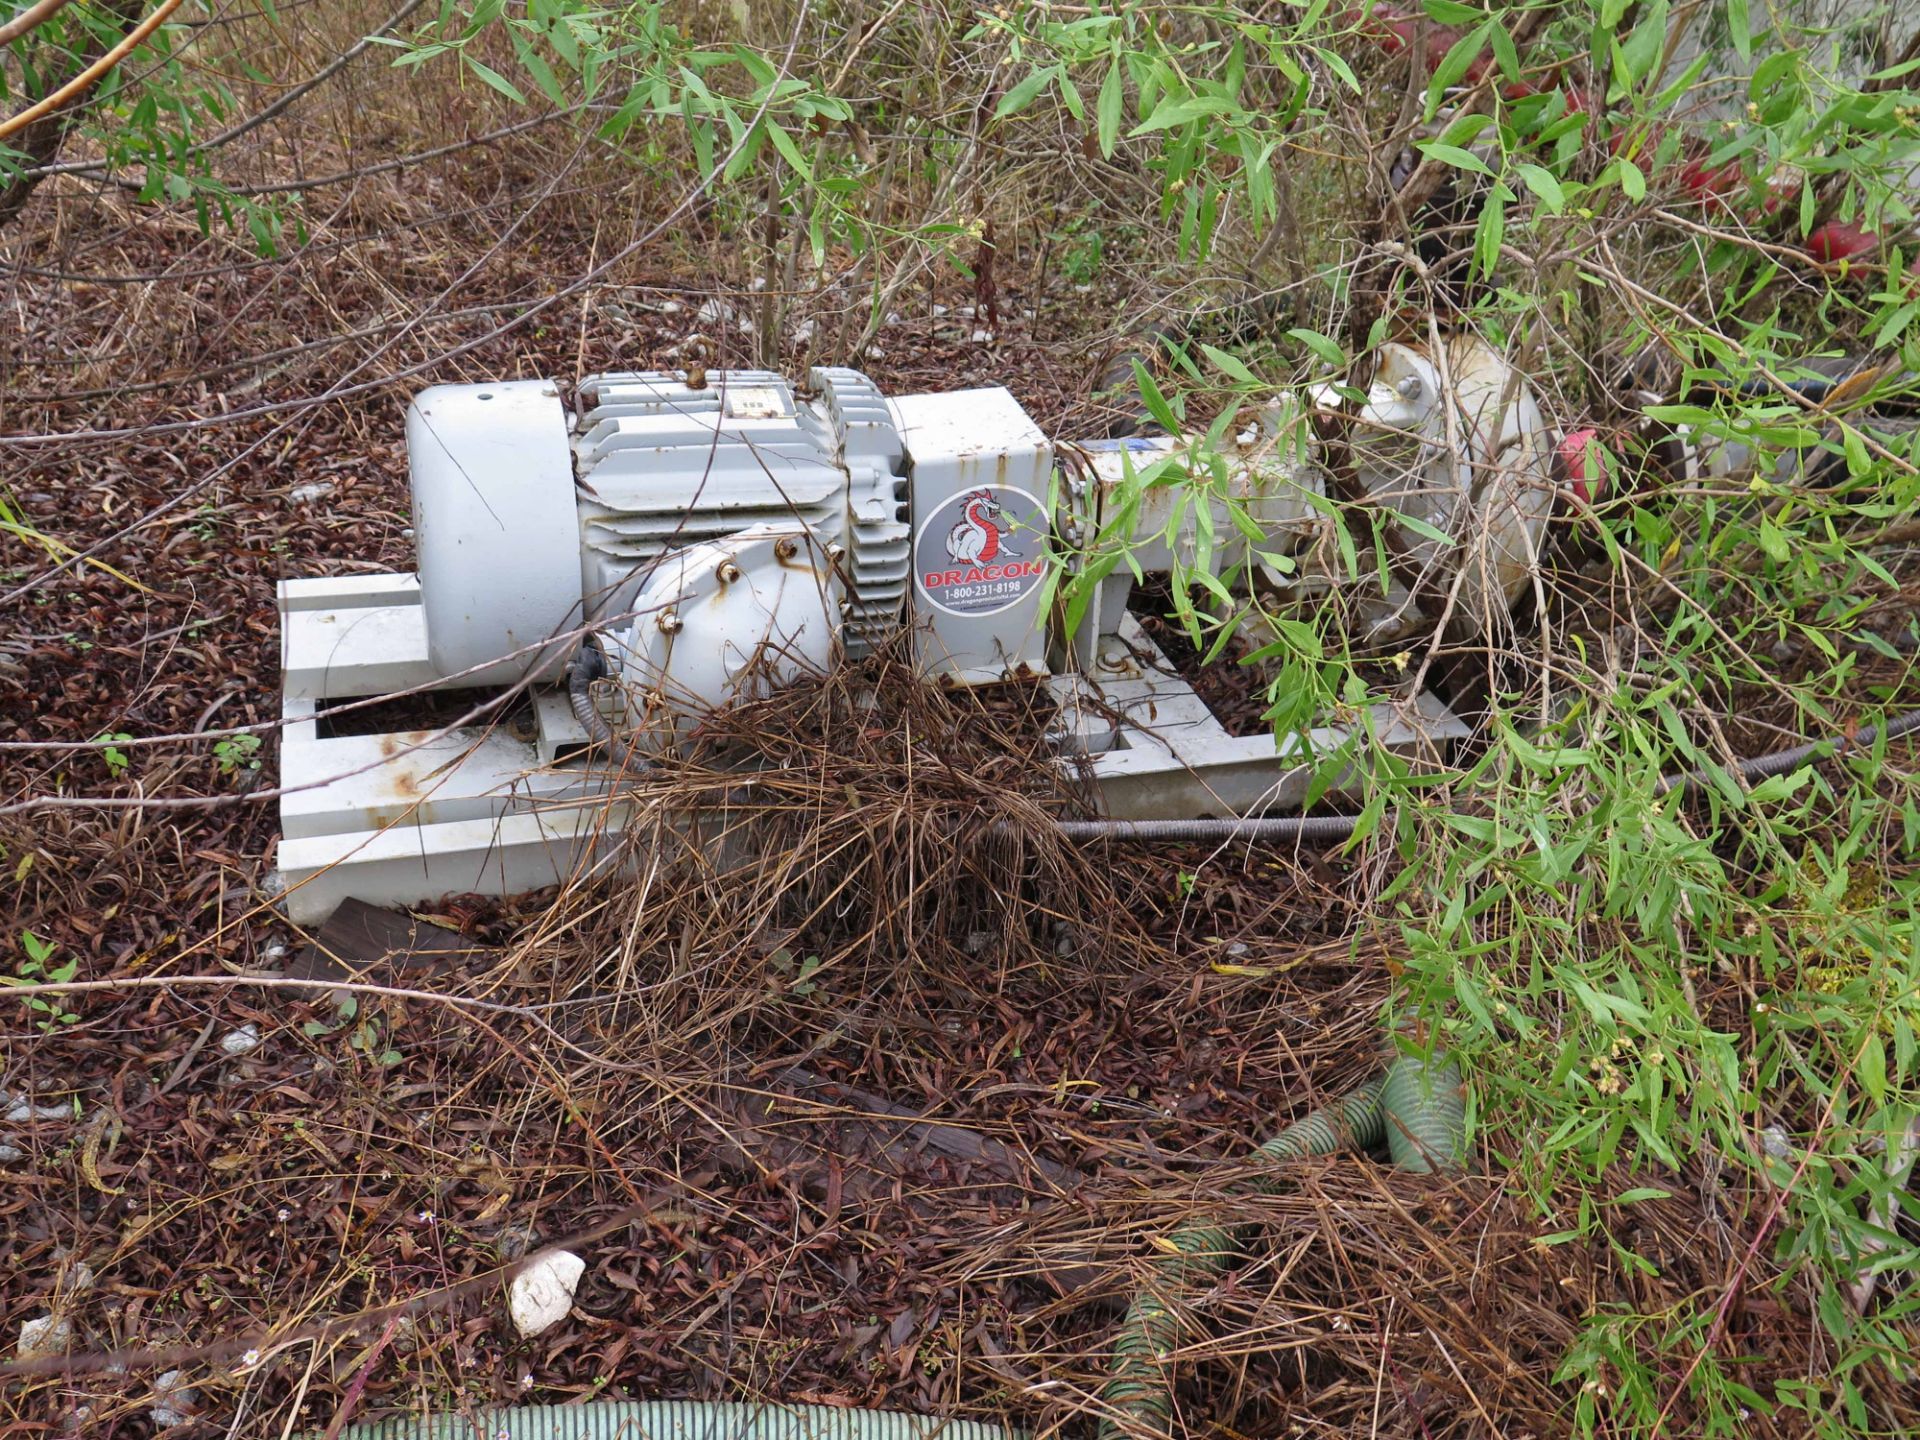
1491 233
1342 71
1453 155
1859 462
1773 540
1165 117
1231 365
1895 324
1504 53
1421 527
1642 49
1453 68
1642 1192
1542 183
1021 95
749 151
1327 350
1632 181
1872 1069
1106 115
1451 12
493 78
1155 402
783 142
1070 95
1740 26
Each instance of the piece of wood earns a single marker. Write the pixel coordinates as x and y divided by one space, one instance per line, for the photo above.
909 1125
358 938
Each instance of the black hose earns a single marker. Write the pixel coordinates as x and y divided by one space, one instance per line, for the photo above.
1310 828
589 664
1255 827
1781 761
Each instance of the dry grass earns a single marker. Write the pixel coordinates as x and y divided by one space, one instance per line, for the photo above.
630 1088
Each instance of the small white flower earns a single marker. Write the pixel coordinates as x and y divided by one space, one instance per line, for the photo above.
250 1359
283 1214
425 1217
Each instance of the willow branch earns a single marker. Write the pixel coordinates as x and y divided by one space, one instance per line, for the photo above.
90 76
31 18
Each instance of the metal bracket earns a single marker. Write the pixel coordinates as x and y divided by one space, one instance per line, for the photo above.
1156 751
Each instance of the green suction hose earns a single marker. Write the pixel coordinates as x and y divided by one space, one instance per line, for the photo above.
676 1420
1418 1108
1426 1109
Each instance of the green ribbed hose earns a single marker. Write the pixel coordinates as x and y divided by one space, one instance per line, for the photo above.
1356 1121
676 1420
1426 1113
1418 1108
1138 1391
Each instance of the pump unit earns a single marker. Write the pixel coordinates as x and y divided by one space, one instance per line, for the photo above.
685 542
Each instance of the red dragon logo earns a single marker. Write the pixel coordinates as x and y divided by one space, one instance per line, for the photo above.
977 539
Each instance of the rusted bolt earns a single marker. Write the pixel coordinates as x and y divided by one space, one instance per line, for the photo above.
836 552
785 548
669 622
728 572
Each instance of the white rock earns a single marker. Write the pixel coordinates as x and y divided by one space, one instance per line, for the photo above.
671 307
241 1041
938 311
173 1402
10 1153
46 1335
802 334
20 1108
982 335
307 494
540 1295
79 1277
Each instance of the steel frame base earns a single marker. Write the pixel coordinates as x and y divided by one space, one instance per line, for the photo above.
409 816
1157 752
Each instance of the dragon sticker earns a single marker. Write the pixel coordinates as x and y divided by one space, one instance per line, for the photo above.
979 552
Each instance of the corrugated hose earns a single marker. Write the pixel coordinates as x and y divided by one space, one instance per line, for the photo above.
676 1420
1418 1109
589 664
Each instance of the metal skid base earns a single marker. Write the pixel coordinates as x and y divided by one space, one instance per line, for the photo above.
409 816
1157 752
